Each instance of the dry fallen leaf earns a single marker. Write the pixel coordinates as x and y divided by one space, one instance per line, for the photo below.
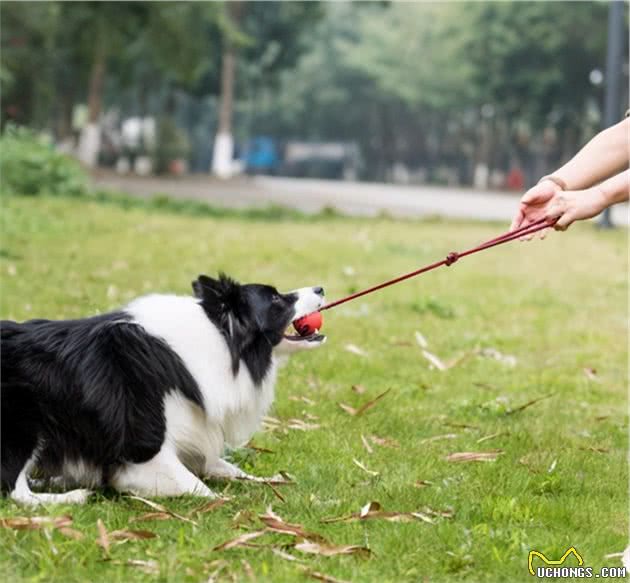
363 408
125 535
422 484
491 436
439 437
366 445
421 340
354 349
328 550
528 404
239 541
591 374
161 508
493 353
322 577
152 516
258 449
283 555
434 360
248 570
385 441
275 523
373 510
301 398
471 456
36 522
209 507
358 389
149 567
360 465
103 539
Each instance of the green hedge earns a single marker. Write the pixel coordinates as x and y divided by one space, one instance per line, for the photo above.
30 166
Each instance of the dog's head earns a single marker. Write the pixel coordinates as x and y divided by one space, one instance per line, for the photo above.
250 314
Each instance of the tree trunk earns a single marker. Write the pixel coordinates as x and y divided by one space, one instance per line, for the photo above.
90 140
224 141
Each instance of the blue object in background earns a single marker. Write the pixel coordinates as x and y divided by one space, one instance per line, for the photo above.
261 156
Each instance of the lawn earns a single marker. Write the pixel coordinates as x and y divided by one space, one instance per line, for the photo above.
558 307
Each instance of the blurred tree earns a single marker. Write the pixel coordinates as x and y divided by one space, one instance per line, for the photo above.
266 38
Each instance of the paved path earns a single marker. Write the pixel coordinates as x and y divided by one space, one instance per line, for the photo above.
352 198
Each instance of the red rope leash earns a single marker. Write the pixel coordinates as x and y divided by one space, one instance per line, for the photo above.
449 260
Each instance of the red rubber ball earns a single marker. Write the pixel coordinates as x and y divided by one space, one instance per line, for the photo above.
306 325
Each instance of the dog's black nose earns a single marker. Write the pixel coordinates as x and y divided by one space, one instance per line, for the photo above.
319 291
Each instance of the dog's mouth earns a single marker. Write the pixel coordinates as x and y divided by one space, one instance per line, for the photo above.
314 337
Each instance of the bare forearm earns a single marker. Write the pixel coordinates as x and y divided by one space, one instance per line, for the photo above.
616 189
605 155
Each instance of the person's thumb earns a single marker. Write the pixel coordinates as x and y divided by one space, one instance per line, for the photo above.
564 222
539 194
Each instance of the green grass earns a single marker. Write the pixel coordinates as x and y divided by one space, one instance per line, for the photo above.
559 306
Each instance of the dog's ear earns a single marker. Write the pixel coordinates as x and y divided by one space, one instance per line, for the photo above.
223 302
224 289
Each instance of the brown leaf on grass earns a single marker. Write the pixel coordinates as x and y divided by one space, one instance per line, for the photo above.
161 508
590 374
301 398
474 456
243 518
358 389
491 436
126 535
258 449
422 484
275 491
595 449
434 360
373 510
283 555
328 550
357 463
385 441
322 576
354 349
148 567
348 409
460 425
248 570
36 522
71 533
209 507
151 516
301 425
239 541
363 408
528 404
366 445
439 437
275 523
421 340
103 538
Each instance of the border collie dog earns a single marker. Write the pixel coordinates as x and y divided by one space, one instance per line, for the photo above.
144 399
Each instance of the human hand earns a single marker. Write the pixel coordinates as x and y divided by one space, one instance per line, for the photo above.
575 205
534 205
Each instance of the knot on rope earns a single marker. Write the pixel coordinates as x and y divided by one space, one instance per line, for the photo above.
451 258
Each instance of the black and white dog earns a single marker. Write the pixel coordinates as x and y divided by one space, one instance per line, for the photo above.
144 399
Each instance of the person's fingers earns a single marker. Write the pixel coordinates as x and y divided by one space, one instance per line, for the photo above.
517 221
542 234
564 222
539 194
